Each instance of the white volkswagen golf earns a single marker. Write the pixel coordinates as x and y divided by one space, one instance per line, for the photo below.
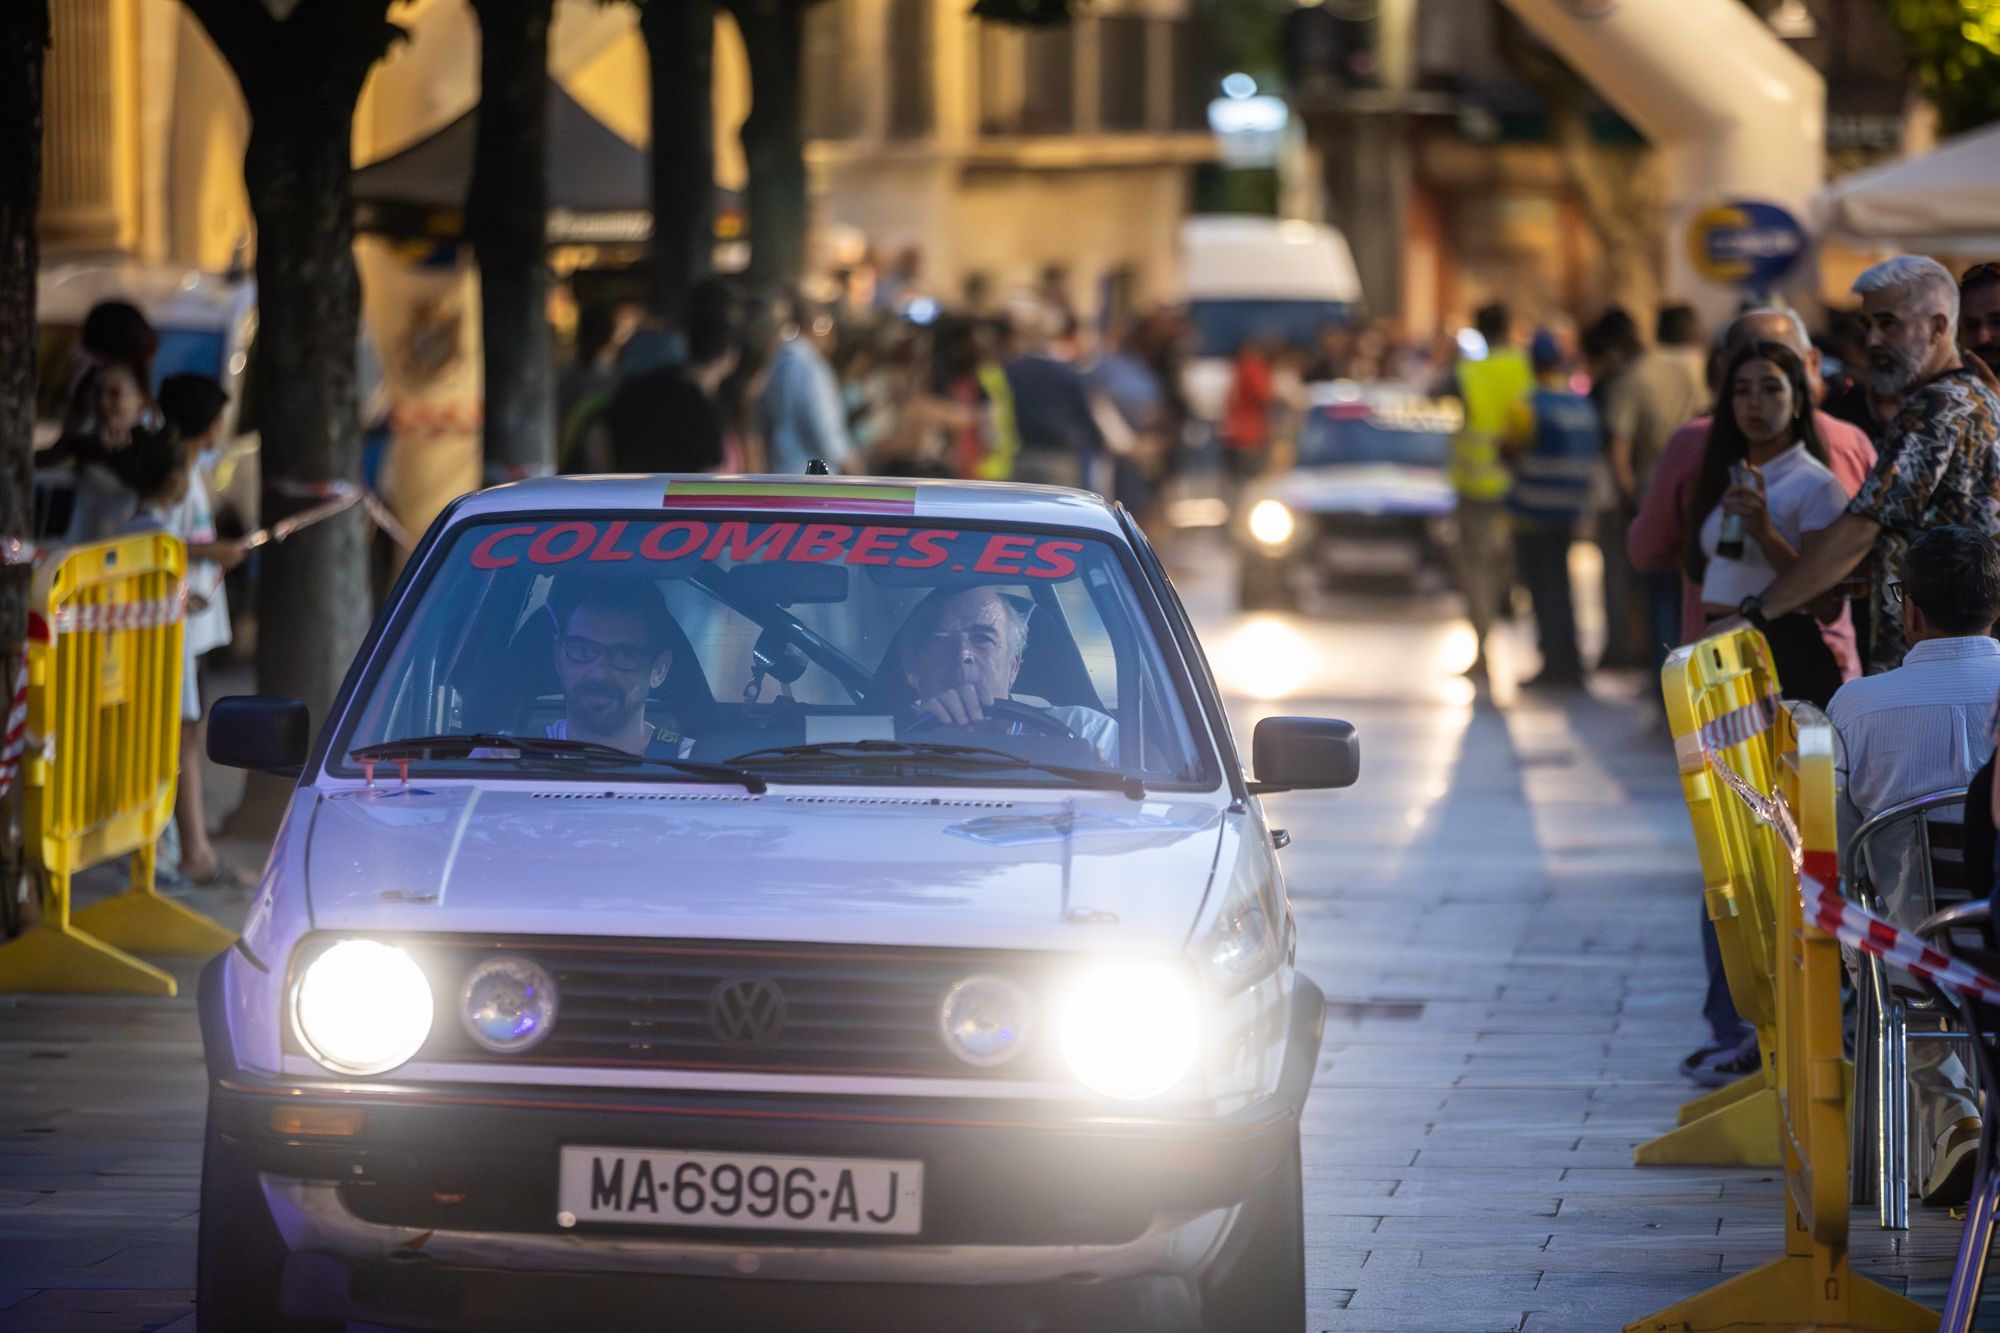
759 903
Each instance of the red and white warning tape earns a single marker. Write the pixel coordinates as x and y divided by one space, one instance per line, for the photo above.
123 615
1819 879
15 739
337 497
1824 907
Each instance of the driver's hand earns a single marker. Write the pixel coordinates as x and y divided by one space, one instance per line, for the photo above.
959 706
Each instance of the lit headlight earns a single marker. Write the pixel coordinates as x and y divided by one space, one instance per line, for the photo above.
362 1007
1130 1029
985 1020
508 1004
1271 523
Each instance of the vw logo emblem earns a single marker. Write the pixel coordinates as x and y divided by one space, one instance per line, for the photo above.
746 1012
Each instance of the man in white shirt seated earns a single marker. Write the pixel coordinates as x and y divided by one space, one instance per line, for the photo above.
962 653
1928 726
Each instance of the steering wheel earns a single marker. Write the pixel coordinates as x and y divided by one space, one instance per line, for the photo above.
1007 710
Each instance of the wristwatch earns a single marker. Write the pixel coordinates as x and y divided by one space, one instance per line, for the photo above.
1751 608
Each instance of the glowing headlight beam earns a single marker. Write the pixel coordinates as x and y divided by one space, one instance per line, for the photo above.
1271 523
362 1007
1130 1030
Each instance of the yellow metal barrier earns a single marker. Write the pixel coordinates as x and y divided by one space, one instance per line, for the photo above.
104 707
1722 694
1812 1285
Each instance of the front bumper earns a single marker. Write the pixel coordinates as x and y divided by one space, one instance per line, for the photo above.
443 1180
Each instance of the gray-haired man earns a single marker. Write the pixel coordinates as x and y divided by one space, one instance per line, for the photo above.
1938 461
962 654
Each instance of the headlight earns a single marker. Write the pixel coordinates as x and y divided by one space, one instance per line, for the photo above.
362 1007
985 1020
1130 1029
1244 945
1271 523
508 1004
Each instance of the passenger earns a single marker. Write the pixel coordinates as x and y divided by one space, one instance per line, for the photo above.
612 651
961 654
1928 726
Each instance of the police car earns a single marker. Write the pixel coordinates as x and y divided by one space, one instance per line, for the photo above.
775 903
1366 501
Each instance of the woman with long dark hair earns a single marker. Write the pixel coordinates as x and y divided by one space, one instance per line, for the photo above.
1763 488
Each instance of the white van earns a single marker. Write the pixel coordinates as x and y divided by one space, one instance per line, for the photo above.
1258 277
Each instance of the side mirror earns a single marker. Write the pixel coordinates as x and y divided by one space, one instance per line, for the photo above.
260 731
1288 753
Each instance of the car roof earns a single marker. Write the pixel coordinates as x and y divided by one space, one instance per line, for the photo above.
172 296
847 499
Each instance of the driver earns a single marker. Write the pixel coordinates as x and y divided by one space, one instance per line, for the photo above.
612 651
962 653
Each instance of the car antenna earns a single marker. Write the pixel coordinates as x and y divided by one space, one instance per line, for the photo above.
816 467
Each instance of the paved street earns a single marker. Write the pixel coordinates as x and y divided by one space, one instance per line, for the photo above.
1502 915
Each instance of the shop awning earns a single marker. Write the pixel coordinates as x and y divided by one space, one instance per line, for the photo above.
1944 202
599 184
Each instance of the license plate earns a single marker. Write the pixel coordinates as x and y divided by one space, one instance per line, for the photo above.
702 1189
1376 557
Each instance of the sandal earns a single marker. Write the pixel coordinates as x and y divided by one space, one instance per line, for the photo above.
223 876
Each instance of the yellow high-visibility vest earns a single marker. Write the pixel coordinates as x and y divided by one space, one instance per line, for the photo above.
1490 388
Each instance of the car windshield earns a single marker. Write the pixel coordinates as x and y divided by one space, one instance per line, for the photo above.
1222 327
1410 430
723 648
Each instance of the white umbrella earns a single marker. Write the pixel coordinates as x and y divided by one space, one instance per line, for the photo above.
1945 202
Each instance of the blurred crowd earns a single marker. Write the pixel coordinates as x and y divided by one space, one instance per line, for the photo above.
1838 493
894 384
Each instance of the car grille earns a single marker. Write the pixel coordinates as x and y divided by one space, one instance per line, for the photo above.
747 1008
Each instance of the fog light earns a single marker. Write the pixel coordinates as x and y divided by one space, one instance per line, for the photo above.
985 1020
509 1004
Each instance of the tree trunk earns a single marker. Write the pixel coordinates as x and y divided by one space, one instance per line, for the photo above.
680 50
24 39
774 145
312 590
508 221
301 77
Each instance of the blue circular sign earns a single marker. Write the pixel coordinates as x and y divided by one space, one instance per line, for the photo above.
1744 243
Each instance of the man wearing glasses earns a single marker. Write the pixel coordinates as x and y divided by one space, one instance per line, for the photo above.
612 650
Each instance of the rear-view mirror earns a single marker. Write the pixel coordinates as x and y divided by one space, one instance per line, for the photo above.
788 584
1294 753
261 732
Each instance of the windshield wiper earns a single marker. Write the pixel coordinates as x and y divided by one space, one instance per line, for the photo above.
984 757
462 745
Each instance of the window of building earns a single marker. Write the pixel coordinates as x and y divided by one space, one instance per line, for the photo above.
1197 74
1048 82
912 94
830 98
1121 73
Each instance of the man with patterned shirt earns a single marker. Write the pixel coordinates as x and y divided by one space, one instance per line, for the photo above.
1939 463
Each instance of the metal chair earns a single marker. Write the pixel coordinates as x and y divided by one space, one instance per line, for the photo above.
1880 1140
1968 1274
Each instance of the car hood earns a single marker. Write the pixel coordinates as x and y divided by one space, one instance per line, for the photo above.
1367 488
1089 870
